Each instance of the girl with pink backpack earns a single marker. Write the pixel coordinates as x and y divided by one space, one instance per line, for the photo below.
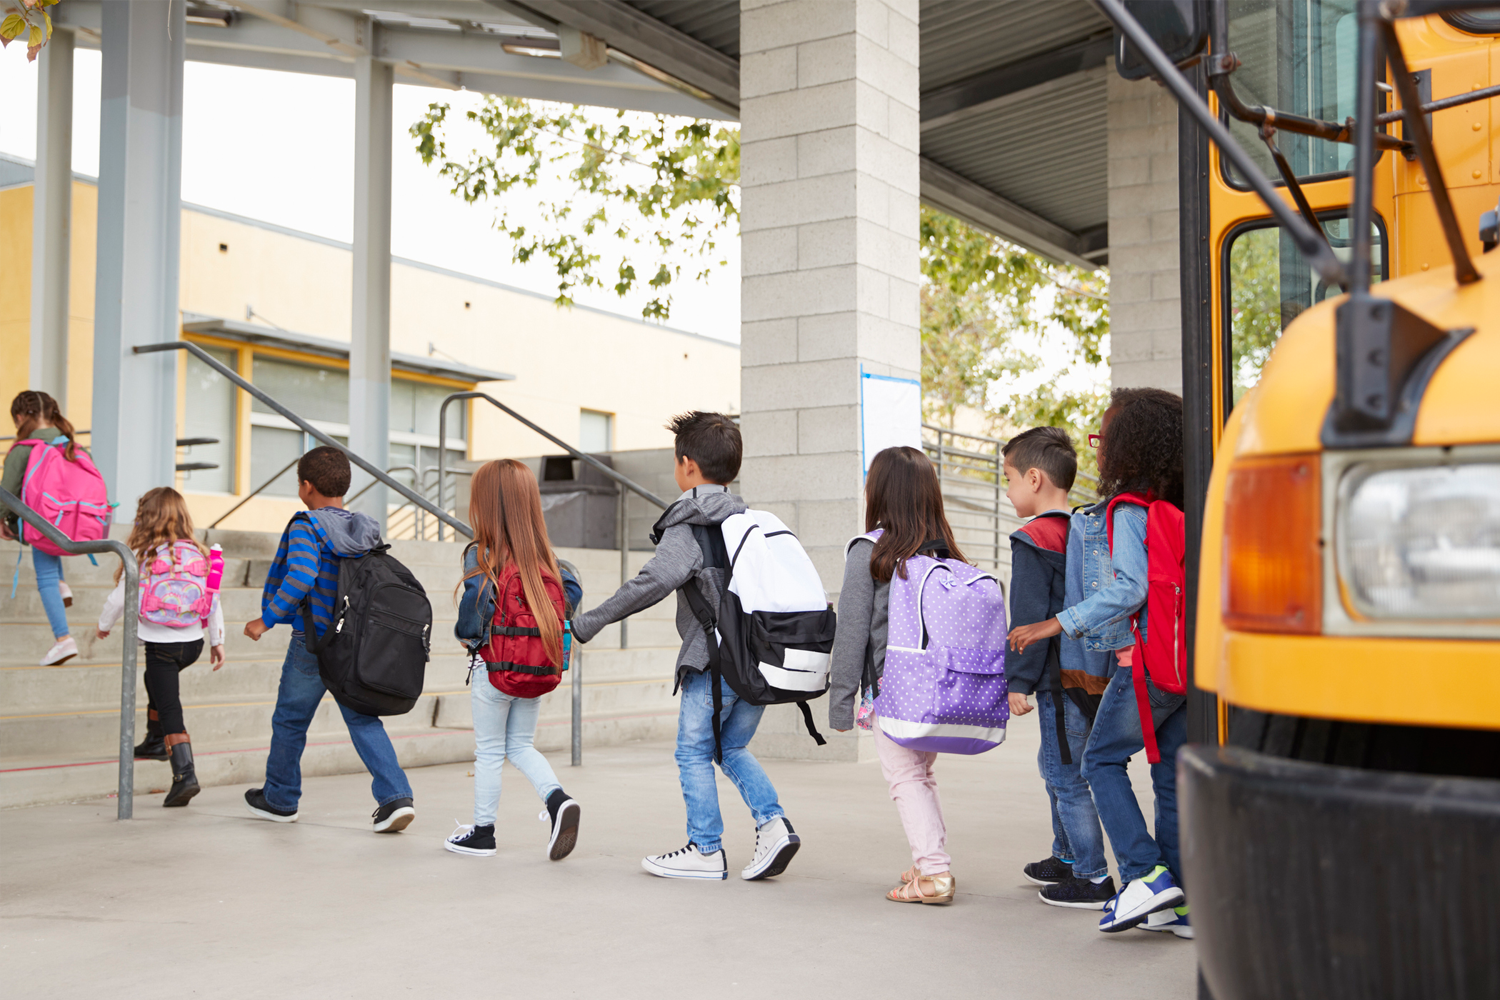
179 603
47 470
919 656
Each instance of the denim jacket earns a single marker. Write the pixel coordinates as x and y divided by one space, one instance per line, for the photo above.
476 607
1102 593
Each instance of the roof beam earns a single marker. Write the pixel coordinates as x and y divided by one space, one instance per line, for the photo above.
961 198
979 93
641 37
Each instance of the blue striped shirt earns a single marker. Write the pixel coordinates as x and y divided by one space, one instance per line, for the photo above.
303 564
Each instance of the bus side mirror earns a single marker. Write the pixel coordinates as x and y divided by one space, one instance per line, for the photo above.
1179 27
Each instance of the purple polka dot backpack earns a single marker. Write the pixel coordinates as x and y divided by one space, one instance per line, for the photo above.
943 688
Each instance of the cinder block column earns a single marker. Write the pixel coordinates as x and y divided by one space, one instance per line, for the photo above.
370 345
1144 283
829 221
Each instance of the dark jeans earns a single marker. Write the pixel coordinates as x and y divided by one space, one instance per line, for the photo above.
1115 738
163 662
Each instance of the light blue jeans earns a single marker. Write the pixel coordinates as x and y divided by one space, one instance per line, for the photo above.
49 573
504 726
1076 835
695 760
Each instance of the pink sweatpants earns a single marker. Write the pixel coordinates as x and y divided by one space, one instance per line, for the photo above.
914 790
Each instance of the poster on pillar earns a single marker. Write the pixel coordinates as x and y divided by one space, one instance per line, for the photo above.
890 413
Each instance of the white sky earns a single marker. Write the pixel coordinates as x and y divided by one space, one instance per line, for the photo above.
280 147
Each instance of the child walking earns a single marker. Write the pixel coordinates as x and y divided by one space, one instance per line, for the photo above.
511 619
708 452
903 499
37 417
1140 451
1040 466
176 612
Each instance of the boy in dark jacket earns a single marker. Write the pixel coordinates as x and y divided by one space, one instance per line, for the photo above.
1040 465
708 459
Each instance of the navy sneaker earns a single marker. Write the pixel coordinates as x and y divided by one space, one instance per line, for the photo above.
1141 898
1079 893
1173 921
1054 869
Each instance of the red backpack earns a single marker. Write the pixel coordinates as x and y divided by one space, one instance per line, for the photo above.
517 660
1163 653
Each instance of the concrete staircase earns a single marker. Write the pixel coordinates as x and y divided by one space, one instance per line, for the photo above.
59 726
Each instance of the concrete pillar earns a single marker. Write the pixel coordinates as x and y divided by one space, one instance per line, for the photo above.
1144 282
370 348
829 220
140 222
52 218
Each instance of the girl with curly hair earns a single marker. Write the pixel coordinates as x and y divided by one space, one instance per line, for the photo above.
1140 452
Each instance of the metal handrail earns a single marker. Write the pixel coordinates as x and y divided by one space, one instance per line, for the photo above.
305 427
997 442
255 492
371 484
126 789
624 481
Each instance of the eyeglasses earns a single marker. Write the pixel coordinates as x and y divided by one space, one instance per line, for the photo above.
1095 440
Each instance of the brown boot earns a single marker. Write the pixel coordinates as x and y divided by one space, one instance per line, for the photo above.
184 778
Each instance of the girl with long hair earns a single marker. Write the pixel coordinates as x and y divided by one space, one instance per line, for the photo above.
172 560
511 620
903 500
37 417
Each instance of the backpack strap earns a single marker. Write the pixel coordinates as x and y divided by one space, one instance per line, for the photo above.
1143 702
1109 513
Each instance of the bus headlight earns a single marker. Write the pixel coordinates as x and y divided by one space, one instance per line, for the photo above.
1420 542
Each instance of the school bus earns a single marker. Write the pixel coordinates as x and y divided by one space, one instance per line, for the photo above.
1340 808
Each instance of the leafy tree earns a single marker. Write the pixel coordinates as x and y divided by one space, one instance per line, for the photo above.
29 18
668 187
1254 304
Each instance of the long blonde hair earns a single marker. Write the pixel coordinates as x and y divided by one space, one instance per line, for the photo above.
505 508
161 518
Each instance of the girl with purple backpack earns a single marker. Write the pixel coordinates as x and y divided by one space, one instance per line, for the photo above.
903 518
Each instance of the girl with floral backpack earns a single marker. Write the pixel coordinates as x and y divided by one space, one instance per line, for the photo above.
179 605
512 619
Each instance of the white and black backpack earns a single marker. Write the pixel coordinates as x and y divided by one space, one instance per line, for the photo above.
772 635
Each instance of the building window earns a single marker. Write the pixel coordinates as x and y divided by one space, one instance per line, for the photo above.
594 431
208 412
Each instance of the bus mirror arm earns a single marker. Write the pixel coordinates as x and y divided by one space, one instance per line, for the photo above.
1289 176
1309 241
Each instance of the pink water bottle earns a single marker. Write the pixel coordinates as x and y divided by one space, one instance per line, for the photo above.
215 575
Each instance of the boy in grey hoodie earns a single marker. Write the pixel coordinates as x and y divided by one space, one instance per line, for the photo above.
306 568
708 450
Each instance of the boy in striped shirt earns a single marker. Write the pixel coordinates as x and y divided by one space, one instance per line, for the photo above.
305 576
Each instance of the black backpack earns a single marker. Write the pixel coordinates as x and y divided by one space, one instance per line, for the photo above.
373 656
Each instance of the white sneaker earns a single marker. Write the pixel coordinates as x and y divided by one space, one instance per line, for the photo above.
1174 921
61 652
688 862
1141 898
66 592
775 843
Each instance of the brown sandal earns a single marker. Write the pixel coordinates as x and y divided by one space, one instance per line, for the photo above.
915 891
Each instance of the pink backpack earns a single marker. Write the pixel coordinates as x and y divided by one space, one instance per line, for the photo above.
175 587
70 495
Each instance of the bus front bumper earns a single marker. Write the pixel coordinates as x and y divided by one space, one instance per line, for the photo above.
1308 880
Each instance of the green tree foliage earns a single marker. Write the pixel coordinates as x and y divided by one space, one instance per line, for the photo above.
1254 304
668 191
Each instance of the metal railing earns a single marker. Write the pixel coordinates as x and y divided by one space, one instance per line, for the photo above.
126 790
970 471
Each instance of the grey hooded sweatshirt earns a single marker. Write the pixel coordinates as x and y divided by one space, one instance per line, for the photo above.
678 560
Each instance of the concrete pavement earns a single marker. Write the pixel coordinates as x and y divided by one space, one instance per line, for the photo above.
205 901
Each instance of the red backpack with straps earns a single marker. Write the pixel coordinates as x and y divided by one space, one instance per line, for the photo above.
1163 652
517 661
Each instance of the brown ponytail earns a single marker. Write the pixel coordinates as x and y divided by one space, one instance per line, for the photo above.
38 408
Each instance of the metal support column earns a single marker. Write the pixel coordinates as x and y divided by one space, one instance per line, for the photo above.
52 218
370 348
140 220
577 705
624 532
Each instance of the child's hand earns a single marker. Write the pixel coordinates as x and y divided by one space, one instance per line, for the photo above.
1025 635
1018 704
99 632
254 630
216 656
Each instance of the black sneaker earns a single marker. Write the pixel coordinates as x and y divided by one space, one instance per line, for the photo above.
476 840
1079 893
261 809
563 813
1054 869
395 816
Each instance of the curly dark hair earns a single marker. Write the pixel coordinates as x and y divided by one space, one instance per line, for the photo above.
1143 450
